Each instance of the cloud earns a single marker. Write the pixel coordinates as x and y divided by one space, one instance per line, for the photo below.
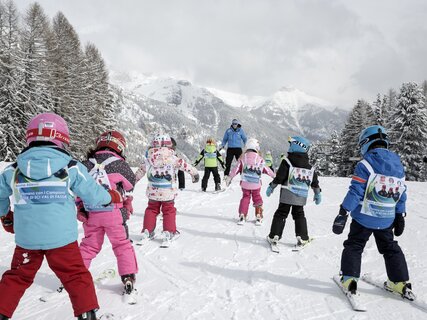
338 50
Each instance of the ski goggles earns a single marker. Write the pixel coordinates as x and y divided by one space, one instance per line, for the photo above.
235 123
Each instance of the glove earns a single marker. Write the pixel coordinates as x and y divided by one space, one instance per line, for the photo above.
269 191
227 180
82 214
317 198
127 204
340 221
195 178
7 222
399 224
116 197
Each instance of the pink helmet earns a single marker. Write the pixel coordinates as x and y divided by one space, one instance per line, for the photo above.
48 127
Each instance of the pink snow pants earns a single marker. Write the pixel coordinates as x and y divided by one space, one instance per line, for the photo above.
114 226
169 215
246 199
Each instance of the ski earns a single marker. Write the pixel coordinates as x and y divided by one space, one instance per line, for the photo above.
168 238
381 285
300 246
274 244
52 295
130 297
353 298
144 239
104 276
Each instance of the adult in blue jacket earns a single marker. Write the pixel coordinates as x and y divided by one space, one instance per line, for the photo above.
43 184
376 200
235 139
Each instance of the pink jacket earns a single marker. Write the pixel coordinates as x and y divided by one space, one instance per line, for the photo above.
251 165
161 166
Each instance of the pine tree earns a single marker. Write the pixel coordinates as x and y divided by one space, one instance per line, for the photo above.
335 157
408 131
360 117
379 111
390 106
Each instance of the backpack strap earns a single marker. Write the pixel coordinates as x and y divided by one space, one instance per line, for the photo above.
368 166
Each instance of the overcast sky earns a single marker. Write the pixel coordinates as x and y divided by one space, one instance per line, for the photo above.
337 50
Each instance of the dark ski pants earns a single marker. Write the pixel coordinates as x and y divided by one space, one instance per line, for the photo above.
207 174
231 153
66 262
279 221
181 179
351 258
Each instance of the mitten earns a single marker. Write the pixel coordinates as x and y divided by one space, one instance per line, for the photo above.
195 178
317 198
269 191
340 221
399 224
127 204
227 181
7 222
116 197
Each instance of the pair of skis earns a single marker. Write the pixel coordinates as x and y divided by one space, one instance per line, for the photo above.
358 305
274 244
167 239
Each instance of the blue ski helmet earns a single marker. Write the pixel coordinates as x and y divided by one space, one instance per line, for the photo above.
298 144
373 134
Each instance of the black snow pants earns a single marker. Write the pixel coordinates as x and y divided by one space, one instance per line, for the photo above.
351 259
279 221
208 171
231 153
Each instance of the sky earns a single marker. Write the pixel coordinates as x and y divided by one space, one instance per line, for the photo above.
338 50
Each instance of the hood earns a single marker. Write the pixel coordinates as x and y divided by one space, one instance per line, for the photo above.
385 162
42 162
159 157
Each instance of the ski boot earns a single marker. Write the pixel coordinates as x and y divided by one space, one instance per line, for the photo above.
204 189
349 283
2 317
145 237
302 243
403 288
259 216
242 219
89 315
217 186
128 281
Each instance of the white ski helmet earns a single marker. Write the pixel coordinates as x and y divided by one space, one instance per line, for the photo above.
253 144
161 140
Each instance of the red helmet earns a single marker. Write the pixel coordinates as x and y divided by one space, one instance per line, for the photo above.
113 140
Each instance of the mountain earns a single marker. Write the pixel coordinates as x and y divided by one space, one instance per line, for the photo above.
191 113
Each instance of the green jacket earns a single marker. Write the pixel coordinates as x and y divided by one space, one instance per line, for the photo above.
268 160
211 156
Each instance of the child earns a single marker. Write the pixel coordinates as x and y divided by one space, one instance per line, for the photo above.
212 157
375 213
42 183
296 176
250 165
269 160
108 166
160 166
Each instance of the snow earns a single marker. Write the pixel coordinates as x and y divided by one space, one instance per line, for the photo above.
219 270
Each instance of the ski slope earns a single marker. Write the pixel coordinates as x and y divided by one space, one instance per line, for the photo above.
219 270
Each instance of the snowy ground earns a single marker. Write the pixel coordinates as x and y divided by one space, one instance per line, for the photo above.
219 270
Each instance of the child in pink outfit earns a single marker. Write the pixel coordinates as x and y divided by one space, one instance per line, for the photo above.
161 166
250 165
107 159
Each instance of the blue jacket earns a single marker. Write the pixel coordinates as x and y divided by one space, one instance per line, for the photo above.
383 162
47 225
234 138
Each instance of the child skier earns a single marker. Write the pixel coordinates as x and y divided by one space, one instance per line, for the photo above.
250 165
160 166
212 157
373 213
295 176
42 183
108 166
269 160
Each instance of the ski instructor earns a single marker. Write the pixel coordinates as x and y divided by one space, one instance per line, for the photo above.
235 137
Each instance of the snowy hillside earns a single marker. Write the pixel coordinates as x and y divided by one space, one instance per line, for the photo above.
219 270
192 113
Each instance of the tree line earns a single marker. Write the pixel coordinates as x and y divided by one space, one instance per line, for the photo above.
43 67
403 113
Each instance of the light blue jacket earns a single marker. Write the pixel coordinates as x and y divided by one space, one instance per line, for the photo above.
234 138
382 162
49 225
